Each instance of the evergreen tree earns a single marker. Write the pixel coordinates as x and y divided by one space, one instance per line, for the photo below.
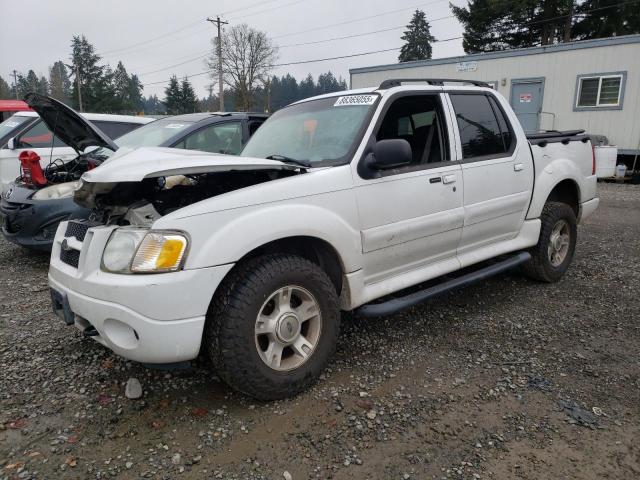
418 39
492 25
173 97
307 88
85 60
135 94
327 83
5 89
59 83
188 99
153 106
43 86
606 18
122 88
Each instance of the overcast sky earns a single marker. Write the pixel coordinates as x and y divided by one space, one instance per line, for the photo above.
149 35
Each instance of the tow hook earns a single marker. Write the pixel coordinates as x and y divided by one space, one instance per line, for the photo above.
90 331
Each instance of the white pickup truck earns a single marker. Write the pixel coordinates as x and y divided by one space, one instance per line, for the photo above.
336 203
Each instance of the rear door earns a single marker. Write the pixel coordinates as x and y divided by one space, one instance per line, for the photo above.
496 167
411 217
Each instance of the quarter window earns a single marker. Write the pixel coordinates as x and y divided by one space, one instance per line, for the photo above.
599 91
484 131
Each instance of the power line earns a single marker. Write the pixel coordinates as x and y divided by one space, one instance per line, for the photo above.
267 10
164 35
389 12
249 6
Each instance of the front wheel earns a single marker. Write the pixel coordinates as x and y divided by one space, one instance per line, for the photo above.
551 257
273 325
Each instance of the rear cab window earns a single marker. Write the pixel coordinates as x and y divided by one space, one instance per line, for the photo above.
12 125
484 130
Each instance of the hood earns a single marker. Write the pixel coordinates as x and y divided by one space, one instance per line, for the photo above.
153 162
68 125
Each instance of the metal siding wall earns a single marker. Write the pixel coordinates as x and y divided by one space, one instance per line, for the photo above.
560 70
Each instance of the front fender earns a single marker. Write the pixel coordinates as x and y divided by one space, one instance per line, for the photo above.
547 177
224 237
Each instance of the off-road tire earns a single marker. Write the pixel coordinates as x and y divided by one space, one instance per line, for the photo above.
230 326
540 267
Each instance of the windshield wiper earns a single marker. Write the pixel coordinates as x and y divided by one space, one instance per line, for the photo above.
285 159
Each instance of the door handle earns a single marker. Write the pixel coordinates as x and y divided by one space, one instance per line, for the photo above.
447 179
518 167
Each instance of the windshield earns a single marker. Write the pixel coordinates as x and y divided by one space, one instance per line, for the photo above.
320 132
11 125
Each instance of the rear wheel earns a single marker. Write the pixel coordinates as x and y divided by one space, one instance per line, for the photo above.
553 254
273 326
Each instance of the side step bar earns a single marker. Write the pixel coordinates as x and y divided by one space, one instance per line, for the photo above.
398 304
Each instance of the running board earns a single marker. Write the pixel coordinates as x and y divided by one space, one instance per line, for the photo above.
398 304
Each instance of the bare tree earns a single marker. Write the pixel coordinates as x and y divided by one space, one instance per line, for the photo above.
247 57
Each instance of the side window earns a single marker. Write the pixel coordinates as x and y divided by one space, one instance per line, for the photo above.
480 132
217 138
39 136
114 130
418 120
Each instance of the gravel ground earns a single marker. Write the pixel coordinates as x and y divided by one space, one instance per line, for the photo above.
507 379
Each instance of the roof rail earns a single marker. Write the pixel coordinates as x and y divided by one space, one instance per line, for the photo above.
396 82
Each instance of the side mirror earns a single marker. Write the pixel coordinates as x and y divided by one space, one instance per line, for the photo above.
391 153
11 143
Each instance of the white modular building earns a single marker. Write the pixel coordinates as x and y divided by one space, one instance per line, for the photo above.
592 85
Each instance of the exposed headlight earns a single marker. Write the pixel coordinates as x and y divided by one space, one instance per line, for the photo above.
61 190
136 250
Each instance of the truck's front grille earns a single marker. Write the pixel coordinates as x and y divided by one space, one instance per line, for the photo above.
70 257
77 229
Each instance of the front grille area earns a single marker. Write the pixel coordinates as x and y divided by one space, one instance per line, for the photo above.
70 257
77 229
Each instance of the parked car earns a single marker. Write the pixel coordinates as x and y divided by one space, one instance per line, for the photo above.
335 203
33 134
10 107
32 214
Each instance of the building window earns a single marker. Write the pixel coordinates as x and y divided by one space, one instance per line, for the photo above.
600 91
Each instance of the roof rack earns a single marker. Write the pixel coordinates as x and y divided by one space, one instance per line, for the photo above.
396 82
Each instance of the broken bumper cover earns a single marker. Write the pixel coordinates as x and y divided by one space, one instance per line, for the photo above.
146 318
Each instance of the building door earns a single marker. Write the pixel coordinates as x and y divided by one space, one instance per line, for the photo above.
526 101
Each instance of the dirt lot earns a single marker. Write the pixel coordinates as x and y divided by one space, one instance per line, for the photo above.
508 379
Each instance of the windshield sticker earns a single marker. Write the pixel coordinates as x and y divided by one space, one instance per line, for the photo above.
175 125
355 100
11 124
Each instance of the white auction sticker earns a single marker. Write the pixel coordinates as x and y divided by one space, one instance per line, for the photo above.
175 125
355 100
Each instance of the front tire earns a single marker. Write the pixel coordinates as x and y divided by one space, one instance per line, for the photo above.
553 254
272 326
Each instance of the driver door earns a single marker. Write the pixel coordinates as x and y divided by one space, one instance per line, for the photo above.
411 217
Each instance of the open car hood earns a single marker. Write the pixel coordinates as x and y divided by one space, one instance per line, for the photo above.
68 125
154 162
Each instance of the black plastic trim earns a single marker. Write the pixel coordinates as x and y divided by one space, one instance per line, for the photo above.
398 304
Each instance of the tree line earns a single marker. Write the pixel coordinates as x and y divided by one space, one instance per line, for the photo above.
492 25
249 56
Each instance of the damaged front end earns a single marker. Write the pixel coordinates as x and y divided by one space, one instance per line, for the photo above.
169 181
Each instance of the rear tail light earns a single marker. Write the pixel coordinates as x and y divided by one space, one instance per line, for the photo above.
593 159
31 171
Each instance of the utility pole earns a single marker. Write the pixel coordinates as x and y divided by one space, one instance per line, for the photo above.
79 89
219 24
15 83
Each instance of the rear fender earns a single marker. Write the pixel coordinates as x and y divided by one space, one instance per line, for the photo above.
547 178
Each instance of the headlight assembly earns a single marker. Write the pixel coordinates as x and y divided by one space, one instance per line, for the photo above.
137 250
61 190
